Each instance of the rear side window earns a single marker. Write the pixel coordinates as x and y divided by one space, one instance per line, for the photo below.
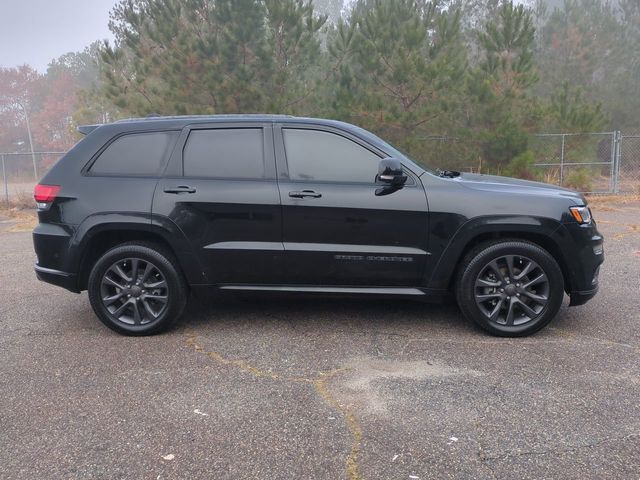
225 153
135 154
314 155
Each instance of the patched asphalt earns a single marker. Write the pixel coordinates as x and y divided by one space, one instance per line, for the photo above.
316 388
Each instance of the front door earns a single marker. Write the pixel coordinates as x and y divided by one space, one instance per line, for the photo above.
336 230
224 198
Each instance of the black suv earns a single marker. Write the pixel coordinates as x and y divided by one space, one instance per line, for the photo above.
143 211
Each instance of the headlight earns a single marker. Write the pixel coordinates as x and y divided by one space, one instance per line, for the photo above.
581 214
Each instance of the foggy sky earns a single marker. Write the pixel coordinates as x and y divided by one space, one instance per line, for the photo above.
37 31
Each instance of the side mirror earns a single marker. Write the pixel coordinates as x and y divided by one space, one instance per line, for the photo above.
390 172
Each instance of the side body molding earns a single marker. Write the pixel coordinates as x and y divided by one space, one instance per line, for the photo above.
317 247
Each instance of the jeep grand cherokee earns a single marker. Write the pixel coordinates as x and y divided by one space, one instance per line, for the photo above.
143 211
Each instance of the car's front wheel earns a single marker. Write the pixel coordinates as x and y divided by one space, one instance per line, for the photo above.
137 289
510 288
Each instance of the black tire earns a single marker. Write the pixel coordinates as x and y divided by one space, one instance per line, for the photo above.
151 300
486 288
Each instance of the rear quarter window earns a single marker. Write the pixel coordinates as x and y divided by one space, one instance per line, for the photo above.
135 154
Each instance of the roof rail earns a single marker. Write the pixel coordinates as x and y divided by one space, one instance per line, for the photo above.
222 116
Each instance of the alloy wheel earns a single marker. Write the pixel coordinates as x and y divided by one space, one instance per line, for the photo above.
511 290
134 291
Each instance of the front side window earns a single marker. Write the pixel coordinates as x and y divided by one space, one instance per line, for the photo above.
135 154
225 153
314 155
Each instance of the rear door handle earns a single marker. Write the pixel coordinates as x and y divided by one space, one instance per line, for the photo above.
305 194
180 189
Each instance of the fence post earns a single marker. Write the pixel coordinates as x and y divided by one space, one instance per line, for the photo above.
4 179
612 174
616 161
562 162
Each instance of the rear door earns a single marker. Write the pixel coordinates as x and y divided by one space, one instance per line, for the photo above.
336 230
221 192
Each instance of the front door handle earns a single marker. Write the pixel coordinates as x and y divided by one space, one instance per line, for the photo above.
305 194
180 189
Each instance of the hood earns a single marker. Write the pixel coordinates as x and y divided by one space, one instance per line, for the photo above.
494 183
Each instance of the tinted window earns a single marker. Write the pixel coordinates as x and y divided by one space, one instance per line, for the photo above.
323 156
135 154
225 153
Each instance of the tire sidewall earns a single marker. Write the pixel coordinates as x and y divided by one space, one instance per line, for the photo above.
479 260
175 287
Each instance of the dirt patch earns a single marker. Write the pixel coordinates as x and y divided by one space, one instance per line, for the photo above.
359 385
632 229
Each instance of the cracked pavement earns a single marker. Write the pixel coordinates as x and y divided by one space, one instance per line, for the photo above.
315 388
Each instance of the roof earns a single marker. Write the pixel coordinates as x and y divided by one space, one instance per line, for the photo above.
180 121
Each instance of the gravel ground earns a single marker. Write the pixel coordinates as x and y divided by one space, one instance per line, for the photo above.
272 388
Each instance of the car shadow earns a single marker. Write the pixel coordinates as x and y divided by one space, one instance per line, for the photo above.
319 313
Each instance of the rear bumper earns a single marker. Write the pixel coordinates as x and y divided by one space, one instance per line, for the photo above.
52 246
580 298
58 278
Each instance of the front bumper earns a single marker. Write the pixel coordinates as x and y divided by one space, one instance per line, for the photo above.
58 278
583 252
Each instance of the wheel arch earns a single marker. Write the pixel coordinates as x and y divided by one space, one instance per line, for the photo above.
538 231
94 241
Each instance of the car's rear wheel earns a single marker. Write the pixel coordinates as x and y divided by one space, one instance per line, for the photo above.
510 288
137 289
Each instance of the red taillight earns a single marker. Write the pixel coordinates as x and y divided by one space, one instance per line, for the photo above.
46 193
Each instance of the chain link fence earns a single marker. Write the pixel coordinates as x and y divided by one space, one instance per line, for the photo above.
582 161
596 163
628 164
606 162
22 171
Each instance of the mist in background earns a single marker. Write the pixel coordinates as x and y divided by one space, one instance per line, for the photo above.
37 31
458 84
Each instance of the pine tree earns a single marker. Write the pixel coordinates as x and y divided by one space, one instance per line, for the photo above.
593 45
500 86
572 113
211 56
405 65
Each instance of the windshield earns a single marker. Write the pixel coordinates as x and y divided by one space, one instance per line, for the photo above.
391 149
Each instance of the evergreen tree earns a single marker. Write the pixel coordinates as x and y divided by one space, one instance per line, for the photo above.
503 110
404 69
211 56
592 45
572 113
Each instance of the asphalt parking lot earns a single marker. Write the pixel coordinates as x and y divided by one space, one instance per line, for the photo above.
321 388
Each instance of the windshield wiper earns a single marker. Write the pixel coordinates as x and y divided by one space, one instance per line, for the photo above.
447 173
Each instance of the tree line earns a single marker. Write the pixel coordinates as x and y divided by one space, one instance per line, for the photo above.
481 76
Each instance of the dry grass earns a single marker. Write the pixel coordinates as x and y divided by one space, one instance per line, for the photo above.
608 201
20 200
21 213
